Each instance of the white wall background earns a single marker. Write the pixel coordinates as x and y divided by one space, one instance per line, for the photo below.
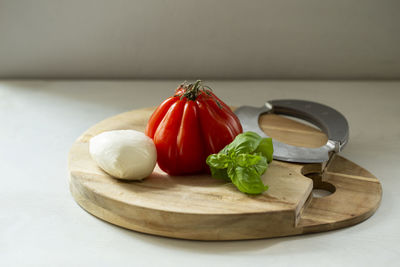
199 38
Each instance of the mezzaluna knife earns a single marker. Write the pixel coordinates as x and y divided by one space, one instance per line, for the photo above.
329 120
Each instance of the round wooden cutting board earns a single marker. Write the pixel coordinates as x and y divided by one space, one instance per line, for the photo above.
204 208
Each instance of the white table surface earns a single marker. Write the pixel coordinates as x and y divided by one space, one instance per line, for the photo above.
41 225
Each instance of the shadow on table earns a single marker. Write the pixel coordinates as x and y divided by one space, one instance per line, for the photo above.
217 247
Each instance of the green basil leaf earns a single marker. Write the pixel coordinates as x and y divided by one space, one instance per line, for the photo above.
220 173
243 162
218 164
246 179
247 160
261 165
218 161
266 148
244 143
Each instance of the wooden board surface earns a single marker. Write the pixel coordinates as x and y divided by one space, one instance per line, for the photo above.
203 208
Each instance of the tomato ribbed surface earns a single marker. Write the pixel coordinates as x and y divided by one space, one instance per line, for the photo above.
185 131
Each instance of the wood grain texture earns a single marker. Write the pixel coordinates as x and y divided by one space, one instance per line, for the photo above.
203 208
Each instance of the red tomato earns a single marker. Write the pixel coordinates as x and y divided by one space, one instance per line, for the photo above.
188 127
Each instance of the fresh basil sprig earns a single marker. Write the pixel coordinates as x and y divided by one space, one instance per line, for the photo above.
243 162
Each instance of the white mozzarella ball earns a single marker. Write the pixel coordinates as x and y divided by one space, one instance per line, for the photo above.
124 154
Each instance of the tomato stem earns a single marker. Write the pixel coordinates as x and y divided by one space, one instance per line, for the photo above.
192 90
